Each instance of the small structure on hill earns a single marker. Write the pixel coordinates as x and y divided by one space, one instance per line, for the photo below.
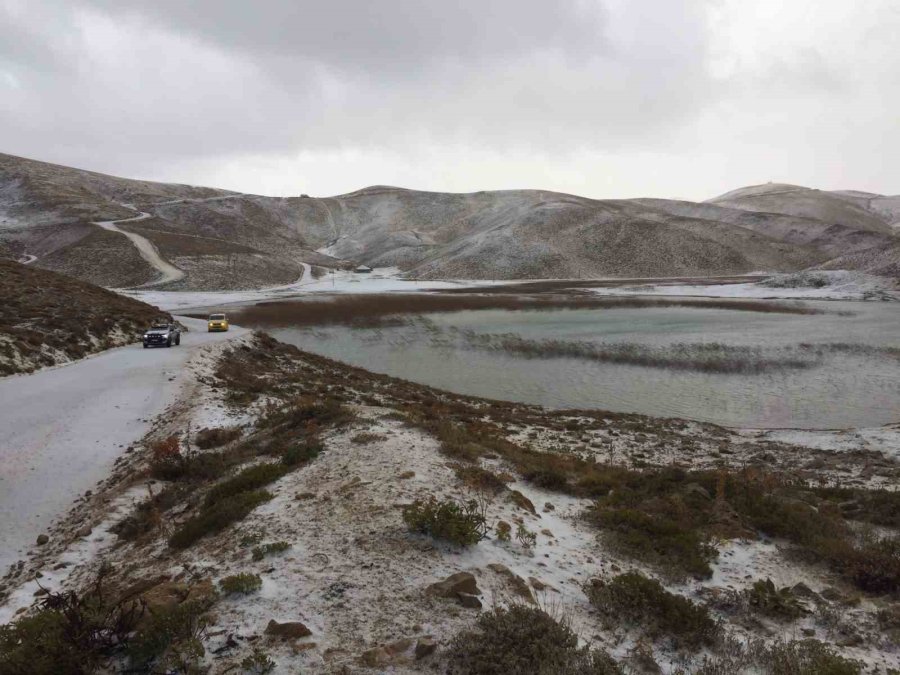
363 269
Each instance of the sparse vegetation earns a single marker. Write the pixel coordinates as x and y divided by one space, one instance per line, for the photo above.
633 598
461 523
263 550
706 357
241 584
247 480
524 640
172 637
217 517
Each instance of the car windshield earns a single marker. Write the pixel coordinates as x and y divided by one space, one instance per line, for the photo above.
159 326
216 317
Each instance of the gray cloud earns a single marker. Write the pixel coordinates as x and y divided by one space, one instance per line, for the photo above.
171 88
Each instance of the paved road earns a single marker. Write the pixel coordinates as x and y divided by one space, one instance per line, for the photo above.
62 429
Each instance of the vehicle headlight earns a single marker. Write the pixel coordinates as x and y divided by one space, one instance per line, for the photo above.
146 336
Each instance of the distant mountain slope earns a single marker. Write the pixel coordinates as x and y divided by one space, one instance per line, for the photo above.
848 208
223 239
829 238
47 318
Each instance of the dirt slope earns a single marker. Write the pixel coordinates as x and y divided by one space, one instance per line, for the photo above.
47 318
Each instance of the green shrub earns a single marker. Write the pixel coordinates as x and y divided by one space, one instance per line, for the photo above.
523 640
70 634
633 598
303 452
525 537
765 598
795 657
213 438
260 552
217 517
658 540
462 523
258 663
806 657
171 634
241 584
251 478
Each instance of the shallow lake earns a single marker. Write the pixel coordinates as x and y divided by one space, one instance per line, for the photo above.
844 388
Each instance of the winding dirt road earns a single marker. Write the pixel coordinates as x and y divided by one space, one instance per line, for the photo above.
148 251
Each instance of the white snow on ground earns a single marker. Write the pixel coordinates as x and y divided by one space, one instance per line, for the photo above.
64 427
82 552
885 439
147 250
382 280
842 285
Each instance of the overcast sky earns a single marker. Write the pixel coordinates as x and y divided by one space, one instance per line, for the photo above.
604 98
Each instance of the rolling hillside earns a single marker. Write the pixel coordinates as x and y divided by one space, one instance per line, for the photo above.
47 318
221 239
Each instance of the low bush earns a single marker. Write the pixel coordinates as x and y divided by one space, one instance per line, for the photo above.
247 480
461 523
213 438
309 413
70 634
298 453
260 552
258 663
633 598
217 517
169 461
524 640
802 657
765 598
148 515
794 657
658 539
241 584
171 638
480 479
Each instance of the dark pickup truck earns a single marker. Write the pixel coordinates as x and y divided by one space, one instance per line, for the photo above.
162 335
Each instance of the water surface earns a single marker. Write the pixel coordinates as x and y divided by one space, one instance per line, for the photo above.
843 390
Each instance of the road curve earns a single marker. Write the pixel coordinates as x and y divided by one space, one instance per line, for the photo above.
64 427
147 250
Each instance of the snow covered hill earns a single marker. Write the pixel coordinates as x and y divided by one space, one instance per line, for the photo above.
221 240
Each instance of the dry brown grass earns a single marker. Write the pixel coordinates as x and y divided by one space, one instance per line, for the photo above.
374 310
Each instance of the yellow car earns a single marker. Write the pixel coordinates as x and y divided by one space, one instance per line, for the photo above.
217 322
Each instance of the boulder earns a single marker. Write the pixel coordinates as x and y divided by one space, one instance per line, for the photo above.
516 583
425 647
42 539
461 582
468 601
289 630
